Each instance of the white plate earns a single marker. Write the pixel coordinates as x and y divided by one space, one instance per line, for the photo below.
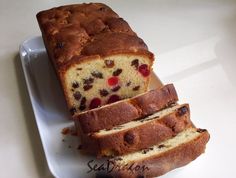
206 80
51 112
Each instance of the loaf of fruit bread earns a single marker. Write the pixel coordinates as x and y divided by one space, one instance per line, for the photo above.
127 110
161 158
139 134
99 59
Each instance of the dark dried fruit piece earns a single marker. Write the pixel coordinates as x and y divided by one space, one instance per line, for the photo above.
135 63
72 110
113 98
147 150
79 68
143 69
129 138
109 63
103 92
82 104
181 111
115 88
87 87
75 84
201 130
117 72
113 81
128 83
60 45
95 102
161 146
97 74
77 95
88 81
136 88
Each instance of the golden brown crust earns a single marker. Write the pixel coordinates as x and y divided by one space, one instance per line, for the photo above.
143 136
169 160
127 110
81 30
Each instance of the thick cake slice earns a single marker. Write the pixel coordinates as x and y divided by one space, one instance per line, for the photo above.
97 56
139 134
127 110
162 158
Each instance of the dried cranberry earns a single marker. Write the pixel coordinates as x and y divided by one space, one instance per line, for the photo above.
77 95
117 72
135 63
115 88
143 69
87 87
109 63
96 102
136 88
113 98
103 92
97 74
112 81
75 84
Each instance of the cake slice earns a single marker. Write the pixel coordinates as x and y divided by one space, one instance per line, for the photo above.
161 158
99 59
139 134
127 110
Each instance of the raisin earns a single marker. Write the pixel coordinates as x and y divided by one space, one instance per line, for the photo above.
136 88
135 63
112 81
201 130
115 88
143 69
117 72
95 102
82 107
103 92
109 63
87 87
97 74
82 104
60 45
129 138
75 84
113 98
161 146
79 68
181 111
128 83
77 95
72 110
88 81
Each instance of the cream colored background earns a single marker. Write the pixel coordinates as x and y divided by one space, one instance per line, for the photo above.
174 30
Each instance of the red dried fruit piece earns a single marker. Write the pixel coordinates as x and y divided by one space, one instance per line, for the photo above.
95 102
113 81
143 69
113 98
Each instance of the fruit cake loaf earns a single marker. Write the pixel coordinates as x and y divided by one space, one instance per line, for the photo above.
99 59
127 110
163 157
139 134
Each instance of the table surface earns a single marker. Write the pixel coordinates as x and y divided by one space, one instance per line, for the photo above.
195 46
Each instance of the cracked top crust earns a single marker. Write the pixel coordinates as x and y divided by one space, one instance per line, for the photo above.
78 31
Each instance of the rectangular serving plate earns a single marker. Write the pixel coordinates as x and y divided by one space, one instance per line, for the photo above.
50 110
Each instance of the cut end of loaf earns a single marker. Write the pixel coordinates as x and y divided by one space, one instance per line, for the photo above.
99 81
